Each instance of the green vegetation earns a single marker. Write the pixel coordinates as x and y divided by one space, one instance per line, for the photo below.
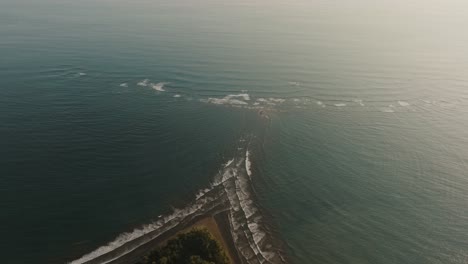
195 247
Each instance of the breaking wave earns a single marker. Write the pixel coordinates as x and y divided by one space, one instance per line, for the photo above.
403 103
158 86
232 99
244 100
248 164
143 83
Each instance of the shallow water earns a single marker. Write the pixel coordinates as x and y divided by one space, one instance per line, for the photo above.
112 113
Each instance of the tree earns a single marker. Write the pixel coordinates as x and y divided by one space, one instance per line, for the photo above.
194 247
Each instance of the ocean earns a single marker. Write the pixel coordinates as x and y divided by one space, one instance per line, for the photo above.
342 126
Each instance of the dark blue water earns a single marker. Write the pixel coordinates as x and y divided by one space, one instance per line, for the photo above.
363 159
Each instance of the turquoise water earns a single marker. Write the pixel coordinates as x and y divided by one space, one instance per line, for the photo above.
363 158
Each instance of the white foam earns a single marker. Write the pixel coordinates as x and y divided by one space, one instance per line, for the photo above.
340 105
249 234
223 101
228 174
123 85
248 164
229 163
200 194
321 103
119 241
403 103
262 101
270 101
158 86
255 233
245 96
177 95
276 100
359 101
296 100
294 83
231 99
144 82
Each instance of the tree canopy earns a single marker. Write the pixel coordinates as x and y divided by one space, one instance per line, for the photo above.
194 247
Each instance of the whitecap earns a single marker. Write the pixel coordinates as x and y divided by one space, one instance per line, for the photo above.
244 96
231 99
229 163
223 101
276 100
270 101
144 82
263 101
359 101
177 95
294 83
340 105
248 164
158 86
123 85
403 103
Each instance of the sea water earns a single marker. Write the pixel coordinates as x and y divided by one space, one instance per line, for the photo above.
116 117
